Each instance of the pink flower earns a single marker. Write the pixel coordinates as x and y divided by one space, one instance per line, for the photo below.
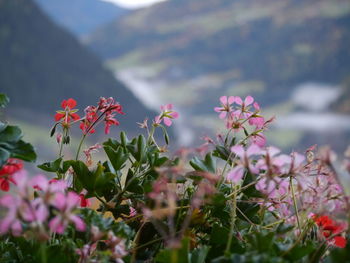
167 115
225 106
66 204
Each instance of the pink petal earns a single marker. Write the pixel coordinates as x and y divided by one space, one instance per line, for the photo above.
218 109
167 121
256 106
59 201
248 100
16 228
238 150
236 174
169 106
238 100
72 200
174 114
223 100
78 222
298 159
222 115
58 186
42 213
5 224
56 225
272 151
7 201
157 120
253 149
39 181
259 139
231 100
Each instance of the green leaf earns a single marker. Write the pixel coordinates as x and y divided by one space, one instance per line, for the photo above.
24 151
116 157
123 139
84 175
4 100
11 134
206 165
141 148
134 186
52 167
199 254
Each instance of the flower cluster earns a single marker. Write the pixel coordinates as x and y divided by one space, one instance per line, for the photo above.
239 113
8 171
49 212
104 111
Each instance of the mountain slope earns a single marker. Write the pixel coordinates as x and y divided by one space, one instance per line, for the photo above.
254 45
41 64
81 16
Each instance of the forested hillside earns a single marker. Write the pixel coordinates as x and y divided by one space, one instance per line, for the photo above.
39 62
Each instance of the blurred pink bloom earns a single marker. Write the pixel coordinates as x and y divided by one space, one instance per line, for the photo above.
236 174
66 204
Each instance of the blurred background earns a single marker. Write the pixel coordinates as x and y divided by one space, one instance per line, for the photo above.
293 56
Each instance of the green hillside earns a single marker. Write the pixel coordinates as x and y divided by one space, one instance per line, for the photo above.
40 63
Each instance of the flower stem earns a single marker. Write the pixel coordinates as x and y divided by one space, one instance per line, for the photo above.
295 202
79 147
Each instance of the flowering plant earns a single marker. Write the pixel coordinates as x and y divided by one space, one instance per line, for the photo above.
233 199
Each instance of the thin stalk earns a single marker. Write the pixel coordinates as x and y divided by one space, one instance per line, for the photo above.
294 202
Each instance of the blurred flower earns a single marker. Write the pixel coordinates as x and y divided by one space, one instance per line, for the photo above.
65 205
236 174
11 167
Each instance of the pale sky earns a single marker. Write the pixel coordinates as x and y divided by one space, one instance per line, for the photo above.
134 3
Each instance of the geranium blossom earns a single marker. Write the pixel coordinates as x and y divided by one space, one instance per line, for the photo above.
167 115
68 113
105 111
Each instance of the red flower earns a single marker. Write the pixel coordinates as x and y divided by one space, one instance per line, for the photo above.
68 113
12 166
329 228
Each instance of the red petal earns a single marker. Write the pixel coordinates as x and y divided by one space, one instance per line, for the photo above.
339 241
64 104
59 116
71 103
4 185
75 116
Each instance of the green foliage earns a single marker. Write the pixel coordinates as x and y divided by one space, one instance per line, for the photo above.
12 146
